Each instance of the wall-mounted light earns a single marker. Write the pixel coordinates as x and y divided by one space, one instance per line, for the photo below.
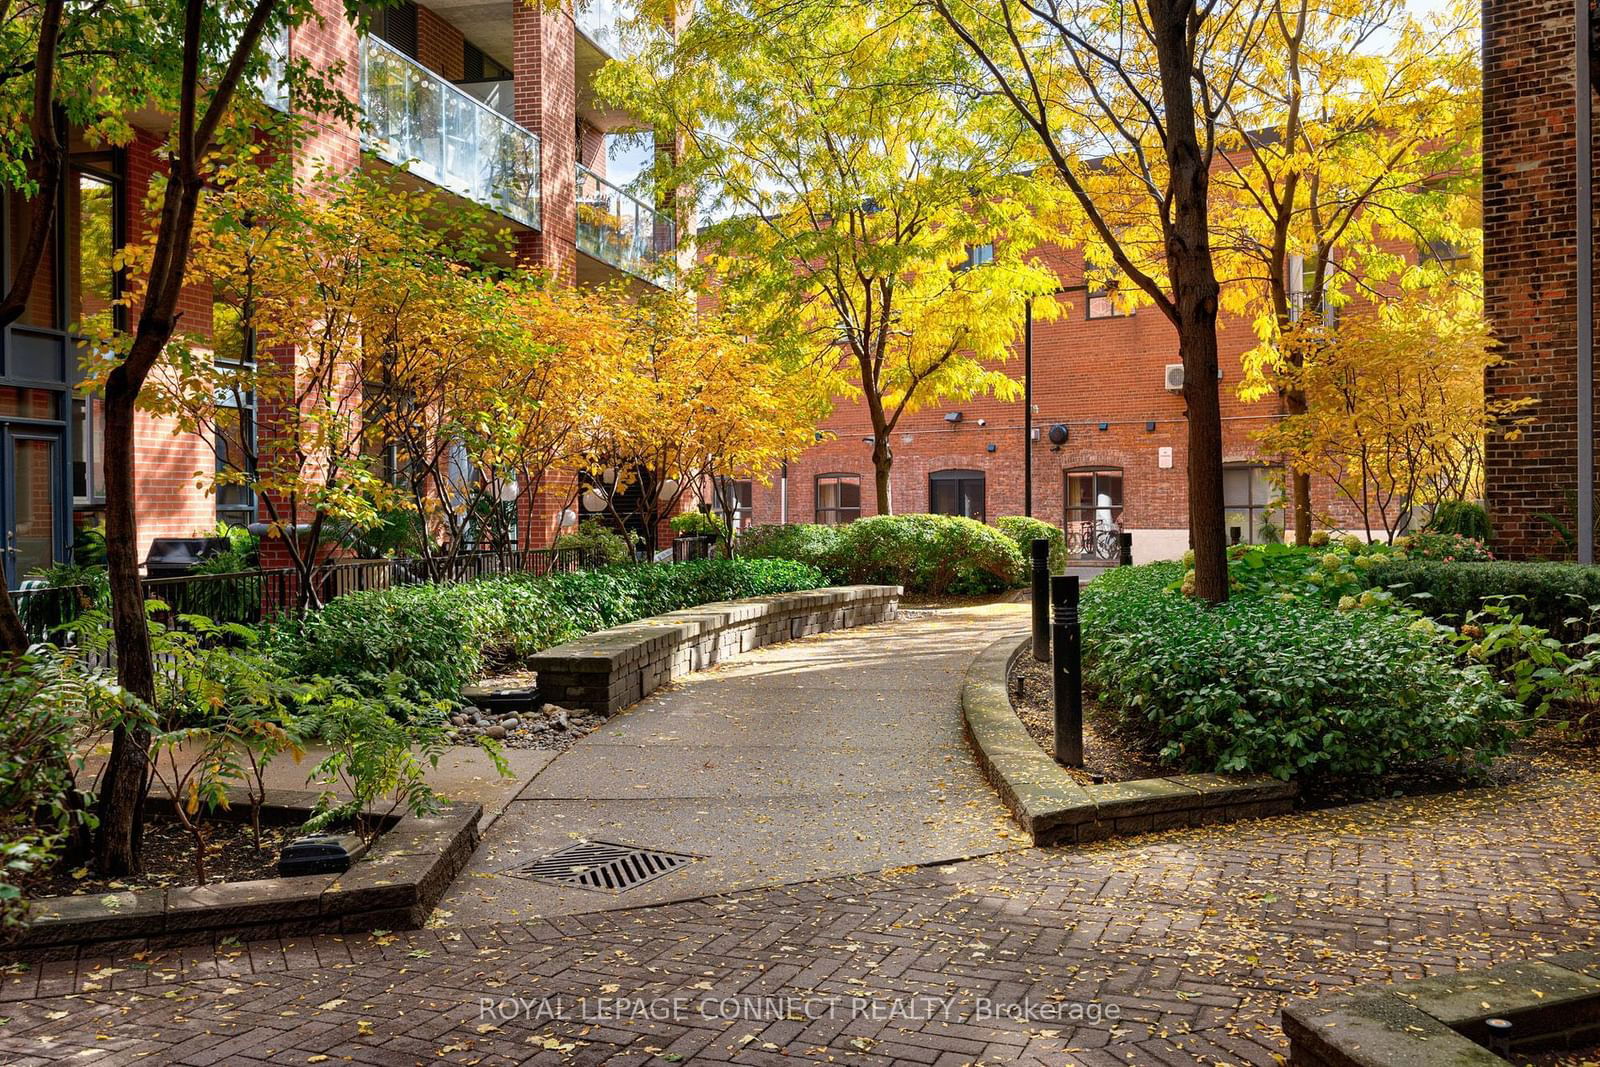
1058 435
983 422
1150 426
1105 426
991 447
953 417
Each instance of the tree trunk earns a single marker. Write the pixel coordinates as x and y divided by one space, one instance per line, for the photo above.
882 463
1194 292
1299 481
124 784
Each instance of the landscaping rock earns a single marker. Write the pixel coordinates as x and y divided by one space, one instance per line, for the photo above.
496 731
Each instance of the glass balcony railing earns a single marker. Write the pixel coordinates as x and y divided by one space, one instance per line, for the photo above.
622 230
418 120
601 21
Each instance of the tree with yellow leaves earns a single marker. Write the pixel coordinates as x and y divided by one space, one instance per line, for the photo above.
1395 413
1349 171
692 400
867 222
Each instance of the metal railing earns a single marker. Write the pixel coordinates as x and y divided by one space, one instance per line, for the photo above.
418 120
620 229
251 597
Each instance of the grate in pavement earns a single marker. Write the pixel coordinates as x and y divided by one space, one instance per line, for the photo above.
602 865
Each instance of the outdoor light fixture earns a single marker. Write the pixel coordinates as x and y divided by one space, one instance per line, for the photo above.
568 518
609 476
669 486
1150 426
983 422
991 447
1105 426
1058 435
953 417
594 500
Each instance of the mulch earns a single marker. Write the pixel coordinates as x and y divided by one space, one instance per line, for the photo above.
1105 754
169 853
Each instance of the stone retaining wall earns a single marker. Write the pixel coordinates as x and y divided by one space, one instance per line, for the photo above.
607 671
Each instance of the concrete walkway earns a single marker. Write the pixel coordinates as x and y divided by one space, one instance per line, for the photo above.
833 755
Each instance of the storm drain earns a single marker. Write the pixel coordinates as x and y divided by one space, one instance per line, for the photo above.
602 865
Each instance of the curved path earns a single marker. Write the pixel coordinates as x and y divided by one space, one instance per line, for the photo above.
835 754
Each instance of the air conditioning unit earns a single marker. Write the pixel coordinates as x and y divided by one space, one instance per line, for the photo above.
1174 377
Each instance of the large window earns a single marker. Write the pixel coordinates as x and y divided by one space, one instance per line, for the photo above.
838 498
1092 516
956 493
91 242
1250 505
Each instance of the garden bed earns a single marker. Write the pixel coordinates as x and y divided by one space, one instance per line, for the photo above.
1106 756
169 860
404 873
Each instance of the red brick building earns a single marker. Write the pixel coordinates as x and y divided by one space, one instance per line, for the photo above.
1119 465
489 103
1530 265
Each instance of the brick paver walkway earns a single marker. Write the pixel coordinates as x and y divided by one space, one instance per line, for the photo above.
1193 939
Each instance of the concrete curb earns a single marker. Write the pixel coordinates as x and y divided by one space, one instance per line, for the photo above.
1054 809
1442 1021
395 886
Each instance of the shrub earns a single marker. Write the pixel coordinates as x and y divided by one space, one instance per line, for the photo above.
438 637
1290 687
601 543
697 523
50 705
1024 530
805 542
1551 593
1462 518
1447 547
929 554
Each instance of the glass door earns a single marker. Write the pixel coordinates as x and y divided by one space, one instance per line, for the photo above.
31 506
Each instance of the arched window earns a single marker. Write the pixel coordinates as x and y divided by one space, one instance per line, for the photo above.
957 493
1092 515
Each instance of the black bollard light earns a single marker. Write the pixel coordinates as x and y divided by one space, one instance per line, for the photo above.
1066 645
1125 549
1041 599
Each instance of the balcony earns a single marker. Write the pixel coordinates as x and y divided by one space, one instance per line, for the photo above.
601 22
418 120
623 231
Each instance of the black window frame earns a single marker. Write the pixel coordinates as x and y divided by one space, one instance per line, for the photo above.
960 477
1105 298
839 511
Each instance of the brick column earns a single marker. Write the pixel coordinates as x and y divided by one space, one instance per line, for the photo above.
545 102
1530 268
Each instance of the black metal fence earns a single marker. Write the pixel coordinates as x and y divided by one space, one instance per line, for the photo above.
250 597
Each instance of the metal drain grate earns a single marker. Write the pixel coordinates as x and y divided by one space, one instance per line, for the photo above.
602 865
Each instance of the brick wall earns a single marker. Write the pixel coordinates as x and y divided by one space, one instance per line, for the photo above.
439 45
1087 372
1529 265
546 103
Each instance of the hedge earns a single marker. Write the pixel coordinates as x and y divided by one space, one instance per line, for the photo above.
932 554
1552 592
1024 531
440 637
1294 688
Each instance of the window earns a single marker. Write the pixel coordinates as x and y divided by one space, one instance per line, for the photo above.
956 493
397 24
1094 499
233 348
1102 304
1446 254
735 499
838 498
88 452
1249 501
91 245
977 256
236 430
